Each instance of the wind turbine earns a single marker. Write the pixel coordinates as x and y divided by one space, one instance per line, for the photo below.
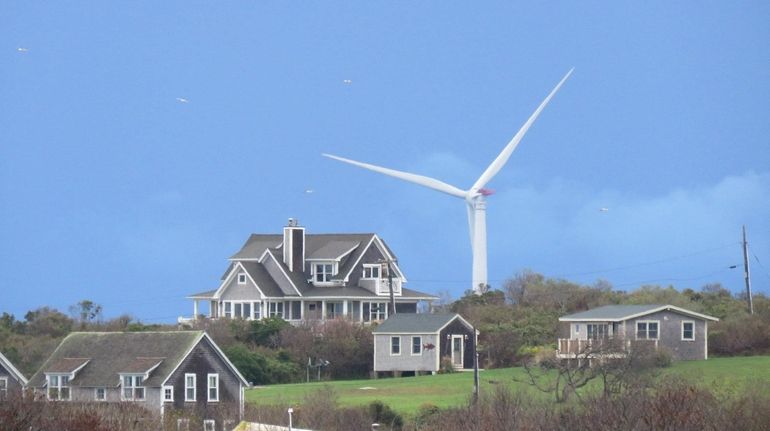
475 197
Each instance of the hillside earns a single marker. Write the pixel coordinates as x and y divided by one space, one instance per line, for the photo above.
725 376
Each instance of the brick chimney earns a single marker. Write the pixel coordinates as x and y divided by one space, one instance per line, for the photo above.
294 245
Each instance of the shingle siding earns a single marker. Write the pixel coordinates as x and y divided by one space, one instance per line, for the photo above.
670 334
201 361
458 328
371 255
384 361
239 292
14 385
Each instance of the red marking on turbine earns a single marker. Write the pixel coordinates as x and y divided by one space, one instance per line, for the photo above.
486 192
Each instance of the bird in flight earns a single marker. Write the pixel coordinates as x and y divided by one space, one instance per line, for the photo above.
22 49
603 209
347 81
182 100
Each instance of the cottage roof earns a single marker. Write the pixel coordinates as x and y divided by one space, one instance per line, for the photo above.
112 353
420 323
616 313
5 363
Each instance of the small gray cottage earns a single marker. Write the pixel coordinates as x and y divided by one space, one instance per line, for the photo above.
417 343
11 379
183 372
680 332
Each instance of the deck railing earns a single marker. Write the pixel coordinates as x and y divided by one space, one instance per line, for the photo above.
607 346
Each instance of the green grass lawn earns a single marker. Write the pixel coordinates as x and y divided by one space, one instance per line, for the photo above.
407 394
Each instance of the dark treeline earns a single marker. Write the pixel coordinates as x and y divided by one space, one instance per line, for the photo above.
516 323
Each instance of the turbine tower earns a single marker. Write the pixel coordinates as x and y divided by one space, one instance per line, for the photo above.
475 197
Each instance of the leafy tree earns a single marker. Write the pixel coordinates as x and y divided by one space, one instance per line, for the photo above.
47 321
86 311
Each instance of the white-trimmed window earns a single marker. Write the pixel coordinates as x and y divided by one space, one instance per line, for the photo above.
100 394
257 310
213 387
3 388
597 330
58 387
132 387
168 393
417 345
228 309
395 345
183 424
276 309
647 329
371 271
209 425
377 310
323 272
242 278
189 387
688 330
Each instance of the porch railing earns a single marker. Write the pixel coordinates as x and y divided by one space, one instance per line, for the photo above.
568 347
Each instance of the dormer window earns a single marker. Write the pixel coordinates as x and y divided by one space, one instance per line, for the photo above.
323 272
242 278
133 389
58 387
371 271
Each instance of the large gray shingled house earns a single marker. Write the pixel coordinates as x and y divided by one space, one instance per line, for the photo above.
407 343
12 381
299 277
680 332
183 372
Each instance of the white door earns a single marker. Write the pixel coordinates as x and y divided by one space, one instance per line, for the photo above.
457 351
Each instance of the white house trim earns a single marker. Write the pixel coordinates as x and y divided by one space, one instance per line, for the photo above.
681 331
216 348
16 373
360 256
647 329
635 315
278 264
233 272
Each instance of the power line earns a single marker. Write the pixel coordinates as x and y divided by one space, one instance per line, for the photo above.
761 266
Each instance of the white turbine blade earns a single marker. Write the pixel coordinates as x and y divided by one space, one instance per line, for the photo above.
406 176
499 162
471 221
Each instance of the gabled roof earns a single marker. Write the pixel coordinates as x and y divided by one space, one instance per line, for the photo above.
256 245
421 323
262 258
66 365
262 278
112 353
616 313
5 363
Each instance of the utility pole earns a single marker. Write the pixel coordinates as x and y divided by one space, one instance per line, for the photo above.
746 273
392 305
475 368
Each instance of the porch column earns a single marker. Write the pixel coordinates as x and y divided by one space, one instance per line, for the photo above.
345 308
266 311
302 310
323 310
361 311
195 309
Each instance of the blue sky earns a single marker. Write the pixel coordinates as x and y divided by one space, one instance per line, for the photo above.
113 190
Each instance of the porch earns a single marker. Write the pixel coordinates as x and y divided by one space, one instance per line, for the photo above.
570 348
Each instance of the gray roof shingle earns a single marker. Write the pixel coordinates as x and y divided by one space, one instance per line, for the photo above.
421 323
621 312
110 353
